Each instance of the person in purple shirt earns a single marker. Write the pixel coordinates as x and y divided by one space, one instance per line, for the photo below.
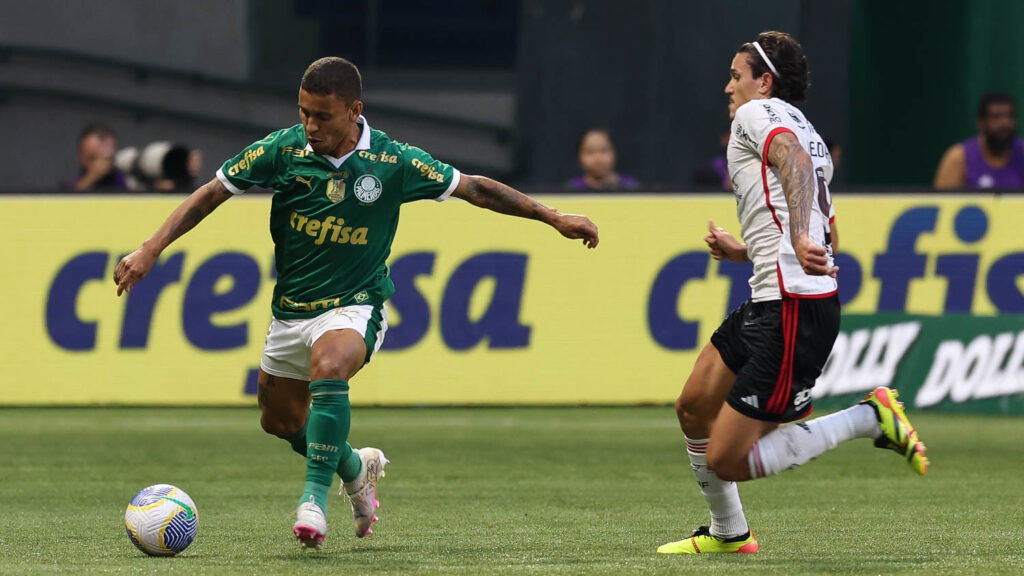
597 160
96 147
993 159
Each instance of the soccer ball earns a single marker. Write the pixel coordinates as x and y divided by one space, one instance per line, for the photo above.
161 520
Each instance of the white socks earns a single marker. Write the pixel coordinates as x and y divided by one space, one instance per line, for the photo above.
783 449
792 446
727 519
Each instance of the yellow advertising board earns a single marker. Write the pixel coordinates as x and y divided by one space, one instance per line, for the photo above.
488 310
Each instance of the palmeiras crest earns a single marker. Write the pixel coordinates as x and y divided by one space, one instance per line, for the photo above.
336 186
368 188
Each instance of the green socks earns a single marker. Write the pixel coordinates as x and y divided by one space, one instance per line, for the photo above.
330 416
348 469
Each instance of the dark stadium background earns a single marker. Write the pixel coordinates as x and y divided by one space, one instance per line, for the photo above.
502 87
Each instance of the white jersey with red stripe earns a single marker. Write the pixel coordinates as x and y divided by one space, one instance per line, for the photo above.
761 205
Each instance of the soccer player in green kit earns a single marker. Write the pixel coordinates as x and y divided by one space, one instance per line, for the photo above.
338 186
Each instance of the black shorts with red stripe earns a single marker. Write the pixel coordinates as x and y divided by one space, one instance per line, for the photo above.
777 350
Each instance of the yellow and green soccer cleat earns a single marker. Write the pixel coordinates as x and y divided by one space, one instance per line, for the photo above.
702 542
897 432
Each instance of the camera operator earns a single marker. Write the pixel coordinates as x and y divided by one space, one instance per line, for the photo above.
96 170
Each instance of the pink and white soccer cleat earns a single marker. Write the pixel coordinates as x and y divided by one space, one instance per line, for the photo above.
362 492
310 527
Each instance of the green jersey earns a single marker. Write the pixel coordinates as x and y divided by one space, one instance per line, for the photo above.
333 219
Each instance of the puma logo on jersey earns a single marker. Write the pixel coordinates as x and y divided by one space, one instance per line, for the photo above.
307 182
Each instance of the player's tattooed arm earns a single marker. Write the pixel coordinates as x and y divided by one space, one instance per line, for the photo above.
186 216
493 195
796 173
192 211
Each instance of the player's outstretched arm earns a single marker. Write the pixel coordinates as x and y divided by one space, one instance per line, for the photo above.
197 206
796 171
486 193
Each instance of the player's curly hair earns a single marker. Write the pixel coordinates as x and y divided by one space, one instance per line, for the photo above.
793 78
333 75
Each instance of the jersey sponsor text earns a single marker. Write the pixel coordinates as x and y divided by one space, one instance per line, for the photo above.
427 171
330 227
287 303
381 156
246 162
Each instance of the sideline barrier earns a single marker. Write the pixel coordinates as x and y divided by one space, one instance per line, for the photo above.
956 362
497 310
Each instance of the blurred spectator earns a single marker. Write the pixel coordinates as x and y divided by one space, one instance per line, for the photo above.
597 160
994 158
96 147
716 173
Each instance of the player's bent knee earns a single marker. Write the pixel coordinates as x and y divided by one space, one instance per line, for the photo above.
729 468
340 366
680 406
693 414
280 425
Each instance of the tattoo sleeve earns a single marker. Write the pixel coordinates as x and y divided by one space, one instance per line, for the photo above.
197 206
487 193
796 172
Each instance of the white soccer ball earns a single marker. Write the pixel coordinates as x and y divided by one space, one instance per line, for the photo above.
161 520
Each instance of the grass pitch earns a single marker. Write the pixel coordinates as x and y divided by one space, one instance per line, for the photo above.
500 491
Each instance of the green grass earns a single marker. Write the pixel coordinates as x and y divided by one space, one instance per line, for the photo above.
500 491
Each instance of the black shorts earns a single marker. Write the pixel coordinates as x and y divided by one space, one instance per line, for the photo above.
777 350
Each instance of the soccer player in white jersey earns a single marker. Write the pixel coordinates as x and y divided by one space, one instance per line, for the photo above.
338 188
758 369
